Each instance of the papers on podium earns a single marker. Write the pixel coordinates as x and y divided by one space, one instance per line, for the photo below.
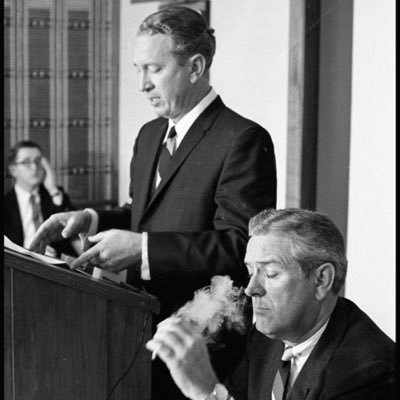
98 273
19 249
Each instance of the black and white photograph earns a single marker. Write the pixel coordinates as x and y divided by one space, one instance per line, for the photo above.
199 200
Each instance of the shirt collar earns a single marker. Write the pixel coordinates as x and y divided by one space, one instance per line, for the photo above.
304 349
184 124
24 194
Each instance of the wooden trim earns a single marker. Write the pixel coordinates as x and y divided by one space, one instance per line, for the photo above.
335 110
68 339
100 43
21 105
107 99
63 21
310 105
54 156
58 131
81 282
114 97
296 99
303 103
13 88
23 55
104 93
94 115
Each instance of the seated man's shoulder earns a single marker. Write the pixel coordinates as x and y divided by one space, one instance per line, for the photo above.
231 119
364 335
363 360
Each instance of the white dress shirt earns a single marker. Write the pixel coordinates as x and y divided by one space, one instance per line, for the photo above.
302 351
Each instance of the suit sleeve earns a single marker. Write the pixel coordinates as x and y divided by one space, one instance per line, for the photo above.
246 185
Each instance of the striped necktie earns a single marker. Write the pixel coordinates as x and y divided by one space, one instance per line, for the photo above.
281 387
36 218
167 152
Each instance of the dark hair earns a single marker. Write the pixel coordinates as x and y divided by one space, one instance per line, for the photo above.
187 29
13 152
314 239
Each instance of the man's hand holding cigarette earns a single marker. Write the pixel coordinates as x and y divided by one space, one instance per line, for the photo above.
181 346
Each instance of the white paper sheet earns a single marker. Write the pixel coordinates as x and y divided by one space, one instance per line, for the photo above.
19 249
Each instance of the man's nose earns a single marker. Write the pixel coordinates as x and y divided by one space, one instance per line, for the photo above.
145 83
255 287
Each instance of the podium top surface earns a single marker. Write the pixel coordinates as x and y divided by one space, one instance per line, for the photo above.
129 296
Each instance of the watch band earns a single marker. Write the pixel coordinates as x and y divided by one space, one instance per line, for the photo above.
55 193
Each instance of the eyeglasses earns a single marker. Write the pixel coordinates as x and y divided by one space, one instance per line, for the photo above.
30 163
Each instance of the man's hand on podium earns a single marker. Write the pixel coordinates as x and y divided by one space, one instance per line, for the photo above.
60 226
114 250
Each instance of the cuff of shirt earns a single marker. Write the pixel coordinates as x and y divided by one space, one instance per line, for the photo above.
145 268
94 224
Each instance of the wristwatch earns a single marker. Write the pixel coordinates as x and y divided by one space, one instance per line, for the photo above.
219 393
56 198
56 193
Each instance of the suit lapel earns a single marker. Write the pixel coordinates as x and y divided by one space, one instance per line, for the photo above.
310 375
146 181
192 138
17 234
271 362
190 141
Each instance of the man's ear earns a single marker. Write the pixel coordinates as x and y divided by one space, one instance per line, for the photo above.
324 277
197 67
11 170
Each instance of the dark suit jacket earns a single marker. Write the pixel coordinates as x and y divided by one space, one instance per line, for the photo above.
13 222
353 360
222 174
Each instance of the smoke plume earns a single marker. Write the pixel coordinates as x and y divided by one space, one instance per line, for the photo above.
220 305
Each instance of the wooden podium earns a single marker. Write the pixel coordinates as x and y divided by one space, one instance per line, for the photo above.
68 336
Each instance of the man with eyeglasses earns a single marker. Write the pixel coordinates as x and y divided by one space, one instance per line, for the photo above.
33 198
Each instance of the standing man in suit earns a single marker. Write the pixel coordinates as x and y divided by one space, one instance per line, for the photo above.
198 173
188 217
307 341
33 198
